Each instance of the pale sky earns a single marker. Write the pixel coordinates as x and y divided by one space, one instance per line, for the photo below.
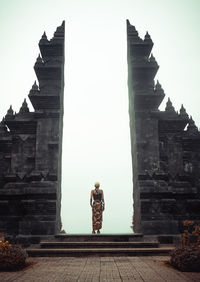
96 144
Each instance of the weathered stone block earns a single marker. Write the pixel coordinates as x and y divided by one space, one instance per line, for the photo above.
160 227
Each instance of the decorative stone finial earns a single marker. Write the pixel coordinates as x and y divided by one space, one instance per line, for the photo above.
132 32
10 111
39 59
152 58
35 89
34 86
44 39
60 30
192 128
24 108
132 27
147 38
158 85
158 88
169 107
44 36
183 112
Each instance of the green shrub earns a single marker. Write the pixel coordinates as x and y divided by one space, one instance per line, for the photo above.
12 257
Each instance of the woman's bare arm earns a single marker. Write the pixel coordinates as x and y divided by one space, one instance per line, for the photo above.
102 196
91 195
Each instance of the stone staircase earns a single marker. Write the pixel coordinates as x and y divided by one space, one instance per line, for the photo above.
98 245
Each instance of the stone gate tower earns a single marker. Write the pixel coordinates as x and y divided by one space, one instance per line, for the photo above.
165 148
30 151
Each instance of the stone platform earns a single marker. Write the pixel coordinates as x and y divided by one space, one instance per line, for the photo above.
99 245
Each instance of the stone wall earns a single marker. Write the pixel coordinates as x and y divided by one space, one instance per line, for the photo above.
30 152
165 148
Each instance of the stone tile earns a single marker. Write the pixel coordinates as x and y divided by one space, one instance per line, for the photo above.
99 269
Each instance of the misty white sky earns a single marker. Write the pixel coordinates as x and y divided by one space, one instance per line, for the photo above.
96 144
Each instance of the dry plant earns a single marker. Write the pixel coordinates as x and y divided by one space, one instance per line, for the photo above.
12 257
187 257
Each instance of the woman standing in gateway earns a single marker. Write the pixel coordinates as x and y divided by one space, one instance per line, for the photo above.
98 207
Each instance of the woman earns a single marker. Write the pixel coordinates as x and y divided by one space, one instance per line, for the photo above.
98 206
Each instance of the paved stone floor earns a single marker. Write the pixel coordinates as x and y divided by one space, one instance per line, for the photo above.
138 269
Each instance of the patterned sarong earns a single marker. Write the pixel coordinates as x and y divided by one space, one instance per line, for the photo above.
97 215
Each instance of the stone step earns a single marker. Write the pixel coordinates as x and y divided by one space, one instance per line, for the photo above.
60 245
100 238
79 252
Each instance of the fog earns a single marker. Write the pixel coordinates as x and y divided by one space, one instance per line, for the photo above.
96 140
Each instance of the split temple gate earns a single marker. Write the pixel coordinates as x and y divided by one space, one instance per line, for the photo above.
165 150
30 151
